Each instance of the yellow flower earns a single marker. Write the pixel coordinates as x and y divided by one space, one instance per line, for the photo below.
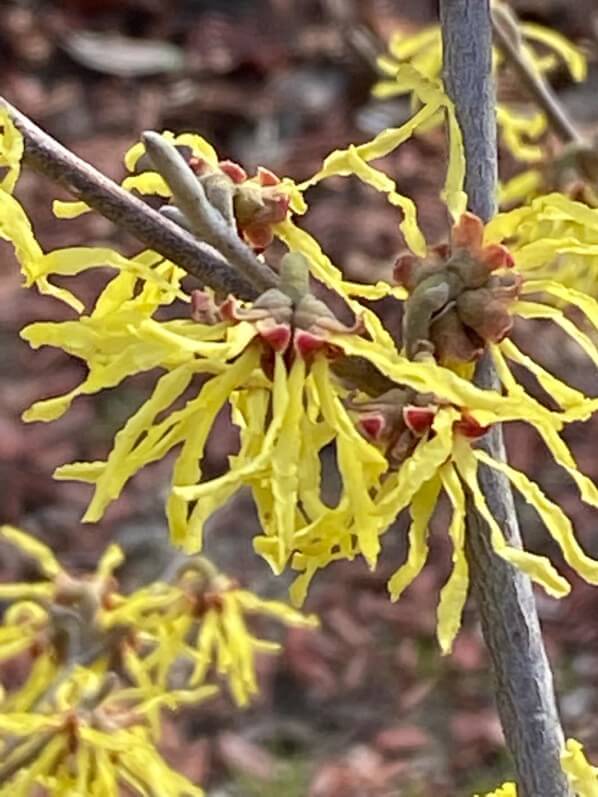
582 775
466 298
92 740
203 619
220 638
296 391
422 51
553 238
442 459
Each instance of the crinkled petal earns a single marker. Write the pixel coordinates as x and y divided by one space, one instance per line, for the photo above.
553 517
33 548
538 568
421 509
454 593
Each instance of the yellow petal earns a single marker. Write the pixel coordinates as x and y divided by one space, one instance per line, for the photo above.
517 190
33 548
118 466
69 210
517 130
563 457
454 593
111 560
453 193
587 304
427 377
354 161
538 568
16 228
147 183
534 310
421 508
571 55
194 429
11 151
582 775
200 148
405 45
417 469
562 393
553 517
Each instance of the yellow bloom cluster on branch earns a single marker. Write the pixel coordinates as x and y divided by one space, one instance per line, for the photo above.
272 363
87 716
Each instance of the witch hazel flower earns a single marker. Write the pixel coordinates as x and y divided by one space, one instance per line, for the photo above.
254 205
464 299
458 296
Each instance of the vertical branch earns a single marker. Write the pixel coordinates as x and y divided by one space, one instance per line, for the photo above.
524 686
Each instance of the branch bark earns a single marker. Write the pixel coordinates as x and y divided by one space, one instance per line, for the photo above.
46 156
510 624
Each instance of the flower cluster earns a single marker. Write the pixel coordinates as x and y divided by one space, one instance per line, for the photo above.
86 716
401 437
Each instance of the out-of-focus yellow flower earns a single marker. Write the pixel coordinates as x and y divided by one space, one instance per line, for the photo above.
212 624
202 618
553 238
423 52
92 740
198 616
582 775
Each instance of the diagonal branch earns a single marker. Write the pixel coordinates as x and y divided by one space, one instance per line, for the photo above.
507 38
46 156
524 686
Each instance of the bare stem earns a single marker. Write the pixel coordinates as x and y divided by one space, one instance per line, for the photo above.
46 156
507 37
524 686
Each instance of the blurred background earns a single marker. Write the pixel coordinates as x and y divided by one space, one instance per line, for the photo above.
365 707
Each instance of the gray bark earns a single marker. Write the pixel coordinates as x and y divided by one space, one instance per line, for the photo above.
523 679
46 156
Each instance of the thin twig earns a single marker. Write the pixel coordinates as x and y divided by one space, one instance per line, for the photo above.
524 686
46 156
205 220
508 41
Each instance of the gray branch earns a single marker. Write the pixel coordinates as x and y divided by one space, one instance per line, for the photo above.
46 156
524 686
